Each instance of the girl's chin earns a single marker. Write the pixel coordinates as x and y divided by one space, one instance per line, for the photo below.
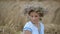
34 21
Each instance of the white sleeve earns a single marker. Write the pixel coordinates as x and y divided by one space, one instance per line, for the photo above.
27 27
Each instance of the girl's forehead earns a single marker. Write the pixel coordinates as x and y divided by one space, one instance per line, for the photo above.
34 13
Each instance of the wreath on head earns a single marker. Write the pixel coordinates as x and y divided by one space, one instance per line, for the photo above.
40 10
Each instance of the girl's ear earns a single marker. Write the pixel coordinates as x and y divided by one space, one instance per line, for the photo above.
40 18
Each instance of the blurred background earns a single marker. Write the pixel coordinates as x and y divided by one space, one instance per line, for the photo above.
12 18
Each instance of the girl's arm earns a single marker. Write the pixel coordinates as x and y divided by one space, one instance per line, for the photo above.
27 32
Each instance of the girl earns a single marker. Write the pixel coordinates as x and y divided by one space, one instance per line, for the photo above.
34 26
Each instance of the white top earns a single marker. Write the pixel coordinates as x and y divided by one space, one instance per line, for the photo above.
32 28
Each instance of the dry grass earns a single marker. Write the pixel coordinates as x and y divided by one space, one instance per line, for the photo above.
12 19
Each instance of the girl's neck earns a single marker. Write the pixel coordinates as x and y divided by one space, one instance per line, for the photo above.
36 23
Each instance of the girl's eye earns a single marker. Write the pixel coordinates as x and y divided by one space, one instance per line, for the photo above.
36 16
31 16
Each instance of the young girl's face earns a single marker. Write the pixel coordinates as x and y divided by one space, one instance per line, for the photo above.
34 17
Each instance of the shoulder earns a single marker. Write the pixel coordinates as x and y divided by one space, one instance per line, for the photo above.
28 24
42 25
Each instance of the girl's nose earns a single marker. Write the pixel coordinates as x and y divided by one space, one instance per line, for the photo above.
33 18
